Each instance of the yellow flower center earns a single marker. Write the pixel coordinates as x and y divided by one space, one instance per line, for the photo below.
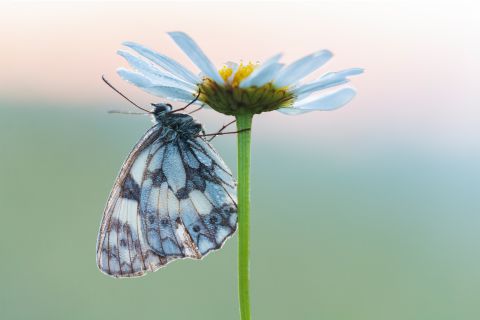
243 71
229 98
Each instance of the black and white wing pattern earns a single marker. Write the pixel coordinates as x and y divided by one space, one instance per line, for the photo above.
173 199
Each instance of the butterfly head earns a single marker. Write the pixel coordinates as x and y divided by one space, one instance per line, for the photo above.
161 108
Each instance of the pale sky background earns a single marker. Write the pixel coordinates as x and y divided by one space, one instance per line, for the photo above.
367 212
421 59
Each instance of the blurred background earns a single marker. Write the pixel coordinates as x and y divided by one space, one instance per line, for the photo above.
369 212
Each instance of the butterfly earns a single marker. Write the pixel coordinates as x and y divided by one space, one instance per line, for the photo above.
174 198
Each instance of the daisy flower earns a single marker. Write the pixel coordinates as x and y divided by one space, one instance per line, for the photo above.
238 88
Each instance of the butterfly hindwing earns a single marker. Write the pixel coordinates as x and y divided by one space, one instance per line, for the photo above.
186 208
121 247
174 198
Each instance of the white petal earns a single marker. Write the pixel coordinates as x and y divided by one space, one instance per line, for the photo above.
259 73
327 102
193 51
134 77
157 76
145 84
342 74
292 111
165 62
328 80
267 75
305 90
234 66
170 93
302 67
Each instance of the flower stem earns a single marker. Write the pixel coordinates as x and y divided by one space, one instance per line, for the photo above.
244 121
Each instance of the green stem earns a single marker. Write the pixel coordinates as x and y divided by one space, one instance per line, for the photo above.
244 121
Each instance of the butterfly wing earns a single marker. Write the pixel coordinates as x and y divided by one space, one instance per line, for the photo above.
122 250
188 200
172 199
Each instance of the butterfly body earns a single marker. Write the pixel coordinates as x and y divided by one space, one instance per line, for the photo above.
176 123
174 198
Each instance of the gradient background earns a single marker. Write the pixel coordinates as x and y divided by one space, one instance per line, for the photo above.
369 212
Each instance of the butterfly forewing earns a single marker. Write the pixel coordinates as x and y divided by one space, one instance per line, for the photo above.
173 199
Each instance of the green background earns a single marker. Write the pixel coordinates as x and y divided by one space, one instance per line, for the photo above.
373 230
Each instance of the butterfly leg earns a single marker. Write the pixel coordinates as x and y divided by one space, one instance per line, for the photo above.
221 133
221 130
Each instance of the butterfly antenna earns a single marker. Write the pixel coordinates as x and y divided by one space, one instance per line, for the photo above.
126 112
198 109
125 97
189 104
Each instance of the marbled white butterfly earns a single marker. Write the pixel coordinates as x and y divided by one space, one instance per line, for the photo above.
174 198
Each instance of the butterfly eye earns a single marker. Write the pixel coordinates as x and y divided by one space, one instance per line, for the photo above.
196 228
